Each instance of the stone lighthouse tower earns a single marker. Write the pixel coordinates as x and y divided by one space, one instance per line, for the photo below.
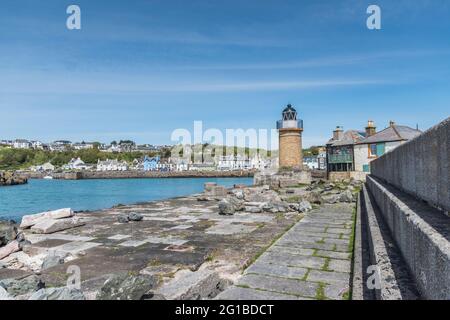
290 139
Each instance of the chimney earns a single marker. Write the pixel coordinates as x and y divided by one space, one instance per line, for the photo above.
370 129
391 123
338 133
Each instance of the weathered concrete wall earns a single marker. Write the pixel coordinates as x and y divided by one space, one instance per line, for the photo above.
422 235
421 166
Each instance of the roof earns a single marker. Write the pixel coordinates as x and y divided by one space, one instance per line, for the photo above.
350 137
392 133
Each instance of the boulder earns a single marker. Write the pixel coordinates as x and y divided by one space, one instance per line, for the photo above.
11 247
27 285
314 197
52 260
135 216
331 198
239 194
4 295
226 207
219 191
253 209
123 218
304 206
346 196
31 220
53 225
8 232
127 287
63 293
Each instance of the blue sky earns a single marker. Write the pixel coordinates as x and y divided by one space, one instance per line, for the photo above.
140 69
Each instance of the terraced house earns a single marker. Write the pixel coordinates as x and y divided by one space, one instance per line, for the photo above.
349 153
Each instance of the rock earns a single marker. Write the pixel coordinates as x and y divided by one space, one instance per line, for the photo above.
330 199
127 287
31 220
123 218
10 179
239 194
219 191
27 285
53 225
8 232
304 206
4 295
11 247
230 205
346 196
314 197
2 265
202 198
226 207
52 260
63 293
135 216
253 209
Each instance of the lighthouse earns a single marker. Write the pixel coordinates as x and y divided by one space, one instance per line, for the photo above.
290 139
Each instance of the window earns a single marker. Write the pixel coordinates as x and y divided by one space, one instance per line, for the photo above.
372 150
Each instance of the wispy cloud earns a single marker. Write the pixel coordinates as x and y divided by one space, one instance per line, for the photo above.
324 61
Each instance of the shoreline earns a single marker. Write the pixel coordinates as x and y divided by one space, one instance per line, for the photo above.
124 203
80 175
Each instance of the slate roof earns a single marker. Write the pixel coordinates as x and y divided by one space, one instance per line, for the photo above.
350 137
392 133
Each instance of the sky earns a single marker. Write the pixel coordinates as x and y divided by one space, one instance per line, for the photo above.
141 69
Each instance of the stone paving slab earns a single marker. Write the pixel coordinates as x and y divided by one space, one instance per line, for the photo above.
329 277
239 293
280 285
277 270
310 260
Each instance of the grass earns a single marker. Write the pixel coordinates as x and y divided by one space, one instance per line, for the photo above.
293 199
326 264
320 292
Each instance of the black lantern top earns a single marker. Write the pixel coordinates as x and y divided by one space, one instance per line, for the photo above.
289 113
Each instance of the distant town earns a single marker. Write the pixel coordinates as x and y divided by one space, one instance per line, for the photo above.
347 154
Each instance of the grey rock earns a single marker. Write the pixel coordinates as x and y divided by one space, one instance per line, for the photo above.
8 232
52 260
253 209
331 198
62 293
135 216
304 206
226 207
4 295
314 197
123 218
16 287
346 196
128 287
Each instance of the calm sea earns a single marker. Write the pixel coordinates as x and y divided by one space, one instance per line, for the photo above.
43 195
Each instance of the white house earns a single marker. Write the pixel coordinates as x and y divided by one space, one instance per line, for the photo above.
21 144
76 164
83 146
231 162
112 165
378 143
43 167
